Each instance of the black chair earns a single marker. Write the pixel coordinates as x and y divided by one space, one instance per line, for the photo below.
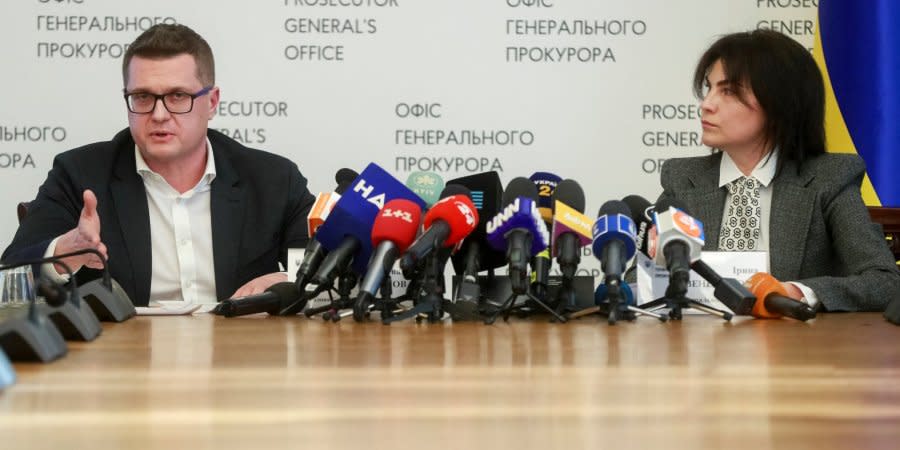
889 218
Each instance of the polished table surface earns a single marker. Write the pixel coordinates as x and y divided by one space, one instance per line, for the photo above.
205 382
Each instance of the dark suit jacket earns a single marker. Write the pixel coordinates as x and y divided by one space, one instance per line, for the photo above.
820 231
258 201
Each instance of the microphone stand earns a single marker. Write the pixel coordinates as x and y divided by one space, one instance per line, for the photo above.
385 303
347 279
518 283
428 297
611 302
676 299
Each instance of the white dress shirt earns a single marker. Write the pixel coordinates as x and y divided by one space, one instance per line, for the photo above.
764 173
180 235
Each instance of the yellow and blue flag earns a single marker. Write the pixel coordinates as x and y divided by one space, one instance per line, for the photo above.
858 49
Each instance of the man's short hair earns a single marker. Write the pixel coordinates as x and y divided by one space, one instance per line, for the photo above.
169 40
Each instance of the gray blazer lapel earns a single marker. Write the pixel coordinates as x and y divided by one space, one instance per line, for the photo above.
130 204
792 208
226 210
707 201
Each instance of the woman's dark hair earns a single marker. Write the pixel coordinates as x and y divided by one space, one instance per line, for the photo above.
786 82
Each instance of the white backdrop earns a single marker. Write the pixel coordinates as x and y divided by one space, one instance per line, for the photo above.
573 97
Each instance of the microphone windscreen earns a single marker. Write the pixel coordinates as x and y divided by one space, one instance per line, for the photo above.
571 194
639 206
519 187
397 222
455 189
427 185
486 191
458 212
614 222
546 183
614 207
672 202
343 178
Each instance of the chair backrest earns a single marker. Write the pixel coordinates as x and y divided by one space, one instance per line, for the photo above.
889 218
22 210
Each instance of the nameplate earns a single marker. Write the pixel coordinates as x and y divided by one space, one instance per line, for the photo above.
652 280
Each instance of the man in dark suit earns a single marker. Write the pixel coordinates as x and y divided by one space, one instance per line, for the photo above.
182 212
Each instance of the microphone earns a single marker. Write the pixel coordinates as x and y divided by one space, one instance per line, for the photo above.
65 308
475 254
614 245
679 242
546 184
346 233
614 239
642 212
571 228
427 185
772 301
105 296
731 292
447 223
325 202
392 233
519 229
272 301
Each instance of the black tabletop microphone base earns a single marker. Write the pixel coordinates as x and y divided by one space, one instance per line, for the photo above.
31 336
110 305
75 323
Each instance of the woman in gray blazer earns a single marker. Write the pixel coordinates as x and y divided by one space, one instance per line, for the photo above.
770 185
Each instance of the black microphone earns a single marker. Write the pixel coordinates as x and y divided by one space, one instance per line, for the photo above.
272 301
475 254
642 216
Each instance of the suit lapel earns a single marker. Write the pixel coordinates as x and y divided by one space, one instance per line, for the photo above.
792 207
707 200
130 203
226 209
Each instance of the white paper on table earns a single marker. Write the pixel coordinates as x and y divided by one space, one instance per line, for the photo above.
173 308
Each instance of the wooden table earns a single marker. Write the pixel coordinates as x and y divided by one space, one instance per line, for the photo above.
259 382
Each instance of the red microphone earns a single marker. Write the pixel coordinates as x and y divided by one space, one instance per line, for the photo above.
394 230
446 224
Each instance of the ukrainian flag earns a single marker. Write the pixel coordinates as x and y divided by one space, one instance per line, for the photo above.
858 49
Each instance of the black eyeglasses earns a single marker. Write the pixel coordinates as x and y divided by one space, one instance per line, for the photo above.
174 102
